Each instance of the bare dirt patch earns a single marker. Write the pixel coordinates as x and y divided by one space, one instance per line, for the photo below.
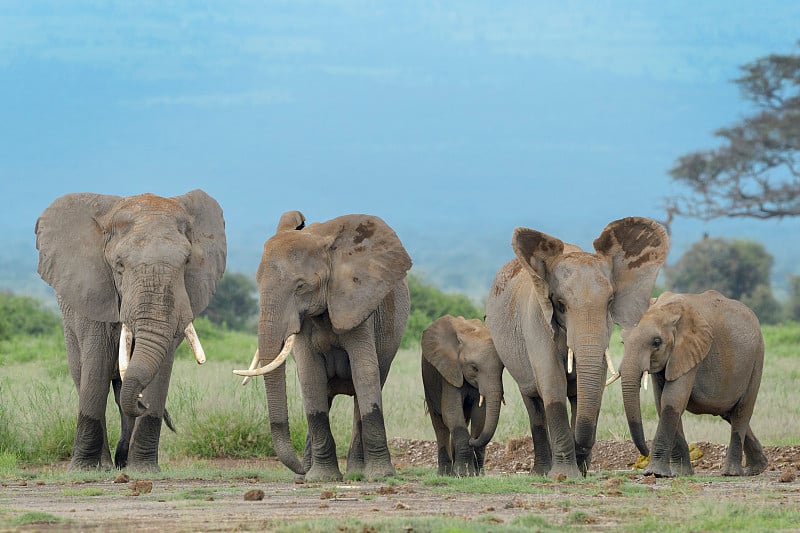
221 505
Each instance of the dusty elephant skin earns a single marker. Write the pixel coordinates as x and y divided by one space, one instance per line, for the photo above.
128 273
463 380
705 353
555 302
335 295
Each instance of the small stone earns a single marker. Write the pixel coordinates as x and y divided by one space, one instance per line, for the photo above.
254 495
142 486
649 480
387 490
40 482
326 495
122 478
788 475
401 506
209 499
323 506
560 477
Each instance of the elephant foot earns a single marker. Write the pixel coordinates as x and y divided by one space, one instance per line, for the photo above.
541 469
681 468
77 465
380 470
445 469
754 468
144 467
465 469
564 471
732 469
318 473
658 469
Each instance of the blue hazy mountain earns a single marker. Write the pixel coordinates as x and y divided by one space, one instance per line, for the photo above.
454 121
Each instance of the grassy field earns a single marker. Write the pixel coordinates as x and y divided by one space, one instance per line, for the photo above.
216 416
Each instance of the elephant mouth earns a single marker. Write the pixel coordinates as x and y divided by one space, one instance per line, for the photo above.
126 346
254 370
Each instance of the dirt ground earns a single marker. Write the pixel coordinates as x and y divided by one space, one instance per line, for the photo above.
215 505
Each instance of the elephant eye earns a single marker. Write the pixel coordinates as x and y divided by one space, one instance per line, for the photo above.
560 307
657 342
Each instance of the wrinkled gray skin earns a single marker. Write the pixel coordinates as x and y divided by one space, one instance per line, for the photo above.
340 286
705 354
460 364
150 262
554 296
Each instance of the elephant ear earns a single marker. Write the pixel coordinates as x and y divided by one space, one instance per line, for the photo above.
636 248
693 337
536 251
71 239
367 261
207 259
292 220
440 348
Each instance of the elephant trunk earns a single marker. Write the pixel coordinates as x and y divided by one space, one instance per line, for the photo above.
270 343
150 349
631 379
493 400
590 365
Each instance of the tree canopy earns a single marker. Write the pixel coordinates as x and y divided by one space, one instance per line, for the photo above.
429 303
756 170
738 268
235 303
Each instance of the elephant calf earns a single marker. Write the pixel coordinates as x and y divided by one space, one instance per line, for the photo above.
460 367
705 353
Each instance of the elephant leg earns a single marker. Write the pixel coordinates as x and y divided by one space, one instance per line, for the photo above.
355 456
739 420
126 432
680 463
542 454
366 377
756 459
671 400
444 445
90 355
313 381
143 450
454 417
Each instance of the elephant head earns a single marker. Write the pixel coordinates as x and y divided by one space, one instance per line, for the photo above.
149 262
582 294
462 350
337 271
673 338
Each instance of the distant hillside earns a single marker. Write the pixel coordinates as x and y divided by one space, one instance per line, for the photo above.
452 258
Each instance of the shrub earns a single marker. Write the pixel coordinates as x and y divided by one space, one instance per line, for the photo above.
23 315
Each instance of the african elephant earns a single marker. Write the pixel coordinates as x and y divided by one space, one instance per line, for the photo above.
461 369
554 303
705 353
130 274
335 295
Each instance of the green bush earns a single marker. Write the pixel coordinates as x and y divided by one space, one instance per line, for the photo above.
23 315
429 303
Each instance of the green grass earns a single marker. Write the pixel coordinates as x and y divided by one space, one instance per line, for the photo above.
215 416
36 518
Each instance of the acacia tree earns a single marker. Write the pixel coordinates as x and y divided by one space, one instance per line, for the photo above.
756 170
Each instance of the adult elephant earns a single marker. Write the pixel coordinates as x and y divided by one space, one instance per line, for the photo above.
130 274
335 295
554 303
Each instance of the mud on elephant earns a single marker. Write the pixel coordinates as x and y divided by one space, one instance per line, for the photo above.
333 294
705 354
463 380
130 274
555 306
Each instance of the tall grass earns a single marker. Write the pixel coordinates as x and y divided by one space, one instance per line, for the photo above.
216 416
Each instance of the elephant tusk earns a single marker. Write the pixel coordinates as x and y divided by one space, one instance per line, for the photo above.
253 366
614 374
570 360
644 379
125 344
287 347
480 401
194 343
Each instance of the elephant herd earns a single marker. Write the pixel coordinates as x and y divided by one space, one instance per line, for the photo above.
130 275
